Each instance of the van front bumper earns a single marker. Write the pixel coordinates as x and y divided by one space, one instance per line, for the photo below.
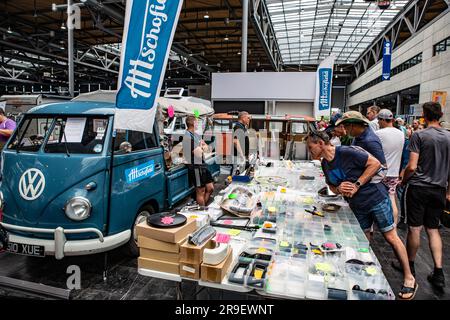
60 247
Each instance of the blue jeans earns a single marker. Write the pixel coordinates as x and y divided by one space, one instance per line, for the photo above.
381 213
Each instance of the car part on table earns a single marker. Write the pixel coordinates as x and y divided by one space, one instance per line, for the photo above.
166 220
327 193
240 271
239 201
215 255
202 235
315 212
331 207
274 181
257 276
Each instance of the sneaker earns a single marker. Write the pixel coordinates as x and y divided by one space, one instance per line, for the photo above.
437 280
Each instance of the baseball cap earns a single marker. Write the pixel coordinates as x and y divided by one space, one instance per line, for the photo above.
352 117
385 114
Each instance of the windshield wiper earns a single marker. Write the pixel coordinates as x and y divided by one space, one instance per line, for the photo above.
65 139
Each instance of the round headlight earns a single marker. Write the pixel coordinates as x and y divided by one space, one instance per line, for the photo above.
78 208
2 202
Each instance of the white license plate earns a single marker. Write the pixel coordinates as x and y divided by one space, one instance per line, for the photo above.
26 249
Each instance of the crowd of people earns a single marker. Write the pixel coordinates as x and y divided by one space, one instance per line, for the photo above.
377 162
392 174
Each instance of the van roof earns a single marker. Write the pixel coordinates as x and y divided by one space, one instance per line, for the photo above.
75 108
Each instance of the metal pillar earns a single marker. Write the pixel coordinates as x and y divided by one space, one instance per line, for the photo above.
399 105
244 35
70 62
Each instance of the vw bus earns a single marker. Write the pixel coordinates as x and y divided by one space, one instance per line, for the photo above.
69 187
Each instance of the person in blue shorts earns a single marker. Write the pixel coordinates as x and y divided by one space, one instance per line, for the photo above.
354 173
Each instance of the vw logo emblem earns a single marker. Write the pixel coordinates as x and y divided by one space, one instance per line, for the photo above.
31 184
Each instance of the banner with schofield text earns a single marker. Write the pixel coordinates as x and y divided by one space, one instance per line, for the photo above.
147 39
324 83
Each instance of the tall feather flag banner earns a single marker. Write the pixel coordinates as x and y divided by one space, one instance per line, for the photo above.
147 38
324 83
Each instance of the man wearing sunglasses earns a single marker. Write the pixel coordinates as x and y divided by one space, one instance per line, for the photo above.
350 171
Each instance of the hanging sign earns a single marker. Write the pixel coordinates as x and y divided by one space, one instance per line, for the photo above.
387 60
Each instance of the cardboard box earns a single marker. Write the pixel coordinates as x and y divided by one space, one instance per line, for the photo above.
153 244
159 255
216 273
172 235
189 270
162 266
194 254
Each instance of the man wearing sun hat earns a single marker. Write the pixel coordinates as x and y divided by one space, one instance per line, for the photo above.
358 126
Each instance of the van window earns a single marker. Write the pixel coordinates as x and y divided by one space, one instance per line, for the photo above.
129 141
80 135
30 134
150 139
299 127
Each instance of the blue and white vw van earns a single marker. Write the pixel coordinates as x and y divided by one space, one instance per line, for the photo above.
69 188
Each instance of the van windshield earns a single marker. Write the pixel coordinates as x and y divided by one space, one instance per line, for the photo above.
72 134
30 135
84 135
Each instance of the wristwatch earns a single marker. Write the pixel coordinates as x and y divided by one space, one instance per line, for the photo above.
358 184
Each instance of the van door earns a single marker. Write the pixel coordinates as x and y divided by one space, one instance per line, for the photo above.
138 177
177 184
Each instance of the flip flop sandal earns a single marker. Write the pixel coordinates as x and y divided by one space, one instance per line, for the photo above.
408 290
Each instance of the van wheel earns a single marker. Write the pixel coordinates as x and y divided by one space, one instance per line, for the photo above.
131 248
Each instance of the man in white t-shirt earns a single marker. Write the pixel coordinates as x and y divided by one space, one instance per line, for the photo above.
392 140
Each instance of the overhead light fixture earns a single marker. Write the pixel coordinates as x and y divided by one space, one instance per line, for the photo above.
226 38
63 26
348 61
9 30
239 53
206 64
341 70
206 16
394 6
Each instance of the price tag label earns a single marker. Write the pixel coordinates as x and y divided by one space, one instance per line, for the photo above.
234 232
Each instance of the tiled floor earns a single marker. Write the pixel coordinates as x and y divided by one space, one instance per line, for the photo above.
124 282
